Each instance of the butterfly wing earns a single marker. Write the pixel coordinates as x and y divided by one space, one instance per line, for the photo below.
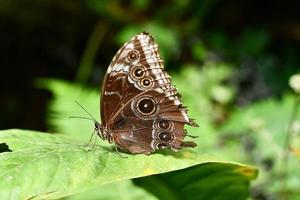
129 74
152 120
134 85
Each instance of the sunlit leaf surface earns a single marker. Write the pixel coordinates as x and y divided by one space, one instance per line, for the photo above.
46 166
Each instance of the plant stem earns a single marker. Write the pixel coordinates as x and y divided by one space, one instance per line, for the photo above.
286 149
90 52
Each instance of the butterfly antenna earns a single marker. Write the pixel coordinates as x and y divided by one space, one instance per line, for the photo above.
78 117
93 118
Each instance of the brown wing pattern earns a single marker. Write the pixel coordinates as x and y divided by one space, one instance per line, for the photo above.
151 121
129 74
139 104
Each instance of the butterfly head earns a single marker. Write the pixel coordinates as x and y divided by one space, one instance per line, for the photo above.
103 132
98 126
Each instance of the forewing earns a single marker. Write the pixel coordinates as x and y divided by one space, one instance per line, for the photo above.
136 67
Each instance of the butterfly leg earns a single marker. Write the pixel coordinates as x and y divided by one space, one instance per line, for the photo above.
119 153
92 136
192 136
91 144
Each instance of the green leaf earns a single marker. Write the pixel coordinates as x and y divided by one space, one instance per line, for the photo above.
63 106
122 190
45 166
200 182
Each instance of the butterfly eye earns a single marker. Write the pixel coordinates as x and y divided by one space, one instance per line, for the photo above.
161 146
146 82
138 72
165 136
132 55
146 106
164 124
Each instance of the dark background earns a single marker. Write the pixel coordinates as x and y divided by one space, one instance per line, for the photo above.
47 39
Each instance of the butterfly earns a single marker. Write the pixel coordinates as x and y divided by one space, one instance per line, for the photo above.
141 110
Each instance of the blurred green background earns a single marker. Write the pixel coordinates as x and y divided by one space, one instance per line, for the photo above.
238 54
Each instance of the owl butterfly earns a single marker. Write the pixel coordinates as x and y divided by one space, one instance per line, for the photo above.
141 111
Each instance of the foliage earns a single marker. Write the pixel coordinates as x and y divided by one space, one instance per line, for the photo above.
261 134
195 178
186 184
